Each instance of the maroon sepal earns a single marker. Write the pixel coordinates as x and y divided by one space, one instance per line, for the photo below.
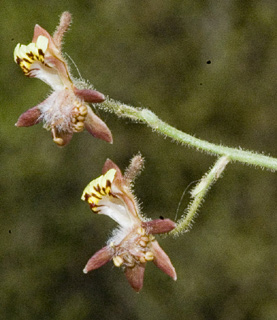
135 276
162 260
159 226
89 95
29 118
100 258
98 128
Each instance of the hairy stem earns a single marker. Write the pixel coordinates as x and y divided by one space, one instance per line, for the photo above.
198 194
148 117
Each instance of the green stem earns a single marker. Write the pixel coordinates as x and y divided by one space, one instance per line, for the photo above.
148 117
198 194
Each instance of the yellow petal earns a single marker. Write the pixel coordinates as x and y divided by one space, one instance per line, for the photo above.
42 43
98 188
16 52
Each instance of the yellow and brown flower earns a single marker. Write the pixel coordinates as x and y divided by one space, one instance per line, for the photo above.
66 110
133 244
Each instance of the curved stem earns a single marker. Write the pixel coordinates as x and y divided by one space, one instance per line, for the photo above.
198 194
148 117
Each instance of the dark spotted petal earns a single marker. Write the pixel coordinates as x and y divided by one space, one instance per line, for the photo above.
100 258
135 276
29 117
89 95
162 260
159 226
98 128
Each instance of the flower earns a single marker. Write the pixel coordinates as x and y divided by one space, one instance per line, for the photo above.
66 110
133 244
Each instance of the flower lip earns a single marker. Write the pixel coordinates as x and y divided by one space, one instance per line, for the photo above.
104 197
25 56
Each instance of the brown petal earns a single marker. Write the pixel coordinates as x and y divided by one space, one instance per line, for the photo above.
100 258
135 276
98 128
61 138
162 260
159 226
89 95
29 118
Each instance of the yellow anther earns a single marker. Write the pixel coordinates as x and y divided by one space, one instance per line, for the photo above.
112 244
58 141
141 231
149 256
83 111
117 261
146 239
143 243
151 237
142 259
81 118
129 260
79 126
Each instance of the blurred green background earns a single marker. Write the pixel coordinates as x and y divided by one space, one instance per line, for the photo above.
152 54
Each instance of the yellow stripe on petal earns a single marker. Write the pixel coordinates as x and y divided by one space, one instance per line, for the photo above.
98 188
25 56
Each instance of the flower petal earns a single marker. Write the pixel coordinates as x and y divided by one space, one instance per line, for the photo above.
96 127
39 31
135 276
36 62
102 201
29 117
159 226
89 95
100 258
109 164
162 260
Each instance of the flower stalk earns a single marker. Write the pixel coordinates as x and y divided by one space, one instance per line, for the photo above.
198 194
149 118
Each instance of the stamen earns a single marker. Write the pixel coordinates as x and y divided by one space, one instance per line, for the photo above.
141 231
83 110
143 243
146 239
117 261
81 118
142 259
58 141
79 126
149 256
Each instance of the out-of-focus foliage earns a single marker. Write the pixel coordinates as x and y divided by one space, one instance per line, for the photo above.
153 54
